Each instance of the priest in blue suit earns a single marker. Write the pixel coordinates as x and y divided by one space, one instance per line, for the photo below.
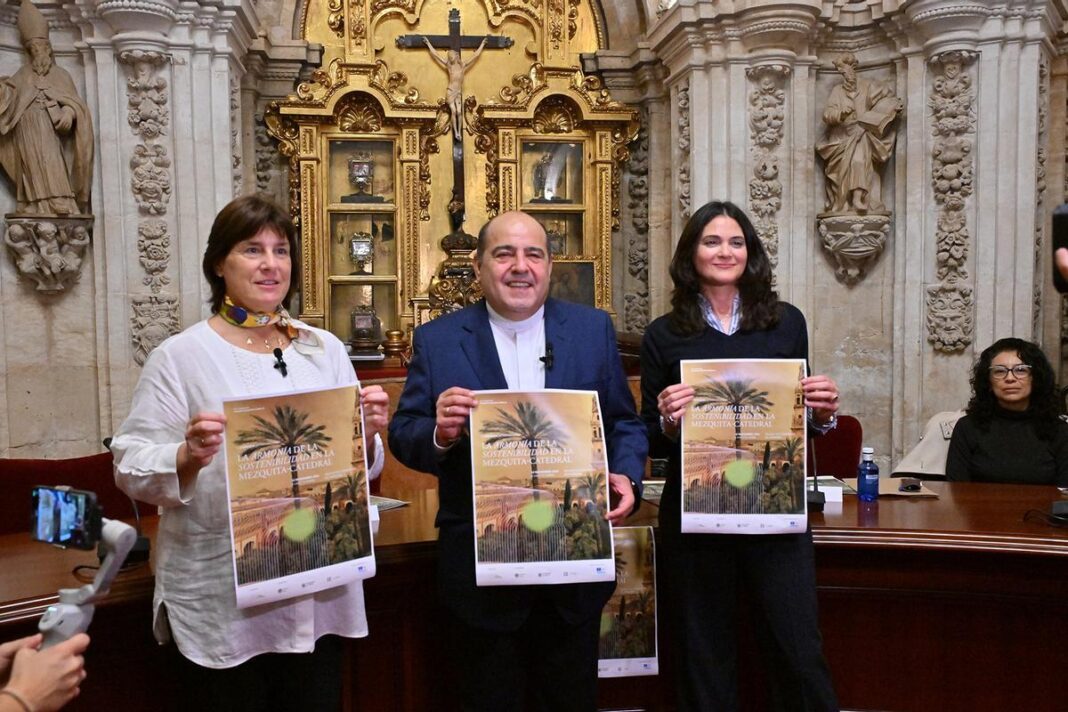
514 644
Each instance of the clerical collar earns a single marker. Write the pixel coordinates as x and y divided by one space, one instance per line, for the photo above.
512 326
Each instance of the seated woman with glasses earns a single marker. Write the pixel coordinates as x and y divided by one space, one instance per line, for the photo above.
1012 432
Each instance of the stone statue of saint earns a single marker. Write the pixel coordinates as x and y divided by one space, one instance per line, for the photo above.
456 68
858 140
46 132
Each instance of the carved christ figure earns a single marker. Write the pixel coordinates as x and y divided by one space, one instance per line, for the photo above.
858 142
39 105
456 68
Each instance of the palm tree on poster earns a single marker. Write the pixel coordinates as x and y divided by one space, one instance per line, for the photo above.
528 427
356 482
790 449
737 395
592 481
290 433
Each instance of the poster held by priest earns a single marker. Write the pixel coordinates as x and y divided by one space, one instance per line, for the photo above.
539 484
743 447
627 647
296 478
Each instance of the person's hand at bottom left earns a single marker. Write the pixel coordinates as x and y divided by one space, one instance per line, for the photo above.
48 679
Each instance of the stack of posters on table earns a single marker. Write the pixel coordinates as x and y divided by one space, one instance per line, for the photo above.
743 447
539 482
628 623
297 486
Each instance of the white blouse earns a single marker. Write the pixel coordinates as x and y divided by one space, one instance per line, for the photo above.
194 601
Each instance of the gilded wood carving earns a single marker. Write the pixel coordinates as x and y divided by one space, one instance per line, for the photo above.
524 128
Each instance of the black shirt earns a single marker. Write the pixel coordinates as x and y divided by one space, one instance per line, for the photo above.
1008 451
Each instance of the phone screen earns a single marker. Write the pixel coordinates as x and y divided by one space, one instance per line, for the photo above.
64 517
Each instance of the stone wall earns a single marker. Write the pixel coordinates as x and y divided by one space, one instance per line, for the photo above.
732 99
173 91
969 186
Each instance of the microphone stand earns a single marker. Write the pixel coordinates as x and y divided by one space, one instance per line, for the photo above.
814 497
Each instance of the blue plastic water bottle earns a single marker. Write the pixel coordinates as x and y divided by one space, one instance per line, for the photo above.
868 476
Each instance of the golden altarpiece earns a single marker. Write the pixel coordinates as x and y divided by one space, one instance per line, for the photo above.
427 118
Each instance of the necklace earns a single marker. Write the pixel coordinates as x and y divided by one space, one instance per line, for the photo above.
267 345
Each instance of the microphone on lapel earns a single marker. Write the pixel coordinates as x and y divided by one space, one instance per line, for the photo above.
547 359
280 364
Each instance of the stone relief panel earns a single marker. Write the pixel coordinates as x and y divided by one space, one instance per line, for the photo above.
636 289
151 178
235 133
153 244
1040 192
767 114
48 252
269 163
858 141
682 100
949 304
148 116
146 94
154 319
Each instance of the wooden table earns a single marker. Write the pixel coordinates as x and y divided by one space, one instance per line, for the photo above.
953 603
948 604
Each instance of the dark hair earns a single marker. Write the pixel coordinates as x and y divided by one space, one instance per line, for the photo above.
483 235
1045 406
241 219
760 303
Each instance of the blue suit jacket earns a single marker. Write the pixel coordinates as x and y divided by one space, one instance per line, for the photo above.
458 350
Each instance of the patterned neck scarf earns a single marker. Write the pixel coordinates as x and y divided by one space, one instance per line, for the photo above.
242 317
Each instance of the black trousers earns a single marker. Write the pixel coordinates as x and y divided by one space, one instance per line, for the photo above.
705 574
273 682
548 665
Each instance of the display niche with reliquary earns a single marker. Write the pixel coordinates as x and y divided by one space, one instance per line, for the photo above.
425 120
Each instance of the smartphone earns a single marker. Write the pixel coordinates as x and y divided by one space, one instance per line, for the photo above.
65 517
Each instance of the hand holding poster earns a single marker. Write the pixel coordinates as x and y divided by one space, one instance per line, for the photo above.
297 486
743 447
539 475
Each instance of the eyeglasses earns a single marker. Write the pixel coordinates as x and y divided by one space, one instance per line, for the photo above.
1020 371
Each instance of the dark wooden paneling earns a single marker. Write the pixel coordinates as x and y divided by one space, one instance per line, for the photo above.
948 604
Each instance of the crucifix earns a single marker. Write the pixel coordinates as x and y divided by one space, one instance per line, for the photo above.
453 43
